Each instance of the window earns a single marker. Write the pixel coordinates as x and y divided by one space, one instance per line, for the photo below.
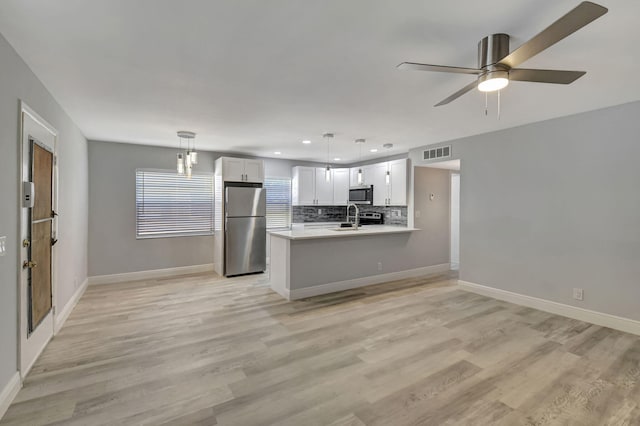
278 202
171 205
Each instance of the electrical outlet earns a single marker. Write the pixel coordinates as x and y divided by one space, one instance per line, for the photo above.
319 211
379 266
417 214
3 246
396 213
578 294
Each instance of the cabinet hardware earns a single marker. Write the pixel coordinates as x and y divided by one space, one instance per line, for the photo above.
29 264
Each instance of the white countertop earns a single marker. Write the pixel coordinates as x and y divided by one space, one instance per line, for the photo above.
313 233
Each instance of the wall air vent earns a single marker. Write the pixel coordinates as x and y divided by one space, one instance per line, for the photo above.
439 152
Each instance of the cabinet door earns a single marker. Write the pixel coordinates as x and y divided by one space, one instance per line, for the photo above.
376 176
340 187
232 169
398 182
254 170
324 189
303 191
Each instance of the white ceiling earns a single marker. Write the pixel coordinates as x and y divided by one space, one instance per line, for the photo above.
257 76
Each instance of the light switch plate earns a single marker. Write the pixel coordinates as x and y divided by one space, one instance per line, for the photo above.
3 245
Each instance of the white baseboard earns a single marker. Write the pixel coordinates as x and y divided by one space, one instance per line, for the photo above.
62 316
301 293
9 392
148 275
599 318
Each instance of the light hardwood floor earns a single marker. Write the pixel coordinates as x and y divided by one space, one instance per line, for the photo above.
205 350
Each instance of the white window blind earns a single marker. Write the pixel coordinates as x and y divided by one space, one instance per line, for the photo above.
278 202
168 204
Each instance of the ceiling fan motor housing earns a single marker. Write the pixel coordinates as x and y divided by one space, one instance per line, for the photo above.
491 50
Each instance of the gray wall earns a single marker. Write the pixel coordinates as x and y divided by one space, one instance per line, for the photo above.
18 82
113 247
555 205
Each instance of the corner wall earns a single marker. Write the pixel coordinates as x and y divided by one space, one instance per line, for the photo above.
554 205
17 82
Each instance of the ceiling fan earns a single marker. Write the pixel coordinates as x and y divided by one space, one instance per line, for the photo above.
496 66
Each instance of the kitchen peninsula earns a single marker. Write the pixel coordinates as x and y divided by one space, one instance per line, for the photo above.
309 262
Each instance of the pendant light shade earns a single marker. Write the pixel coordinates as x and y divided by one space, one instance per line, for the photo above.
180 163
327 170
387 178
360 142
189 157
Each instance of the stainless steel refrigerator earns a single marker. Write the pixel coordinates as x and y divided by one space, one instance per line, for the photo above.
245 228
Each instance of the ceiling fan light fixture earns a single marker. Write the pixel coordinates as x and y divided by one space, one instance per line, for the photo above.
492 81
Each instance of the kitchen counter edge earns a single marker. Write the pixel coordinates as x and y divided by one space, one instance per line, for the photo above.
309 234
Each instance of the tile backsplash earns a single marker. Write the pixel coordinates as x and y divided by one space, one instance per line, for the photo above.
311 214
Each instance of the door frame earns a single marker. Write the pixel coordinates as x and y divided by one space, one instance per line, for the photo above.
31 345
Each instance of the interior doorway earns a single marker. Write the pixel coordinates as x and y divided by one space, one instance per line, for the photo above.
455 221
38 231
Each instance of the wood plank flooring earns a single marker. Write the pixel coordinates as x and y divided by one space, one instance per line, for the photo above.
203 350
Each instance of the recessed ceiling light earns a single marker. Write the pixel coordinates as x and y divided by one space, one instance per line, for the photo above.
373 150
306 142
277 153
336 159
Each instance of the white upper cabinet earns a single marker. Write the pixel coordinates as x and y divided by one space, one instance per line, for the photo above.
324 189
340 187
309 187
353 177
303 186
254 170
376 174
398 178
389 180
233 169
242 170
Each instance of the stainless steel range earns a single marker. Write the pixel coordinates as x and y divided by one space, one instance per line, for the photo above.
371 218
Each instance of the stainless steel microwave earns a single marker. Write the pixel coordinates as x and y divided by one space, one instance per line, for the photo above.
361 195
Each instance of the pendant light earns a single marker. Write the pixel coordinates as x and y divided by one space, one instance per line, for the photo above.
360 142
188 158
180 163
327 170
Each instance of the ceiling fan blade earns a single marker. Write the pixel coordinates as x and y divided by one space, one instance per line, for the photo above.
465 89
585 13
545 76
437 68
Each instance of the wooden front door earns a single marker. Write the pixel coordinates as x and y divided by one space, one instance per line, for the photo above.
42 214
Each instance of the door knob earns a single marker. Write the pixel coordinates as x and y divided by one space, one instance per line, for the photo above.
29 264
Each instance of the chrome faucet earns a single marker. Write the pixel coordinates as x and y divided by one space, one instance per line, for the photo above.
356 221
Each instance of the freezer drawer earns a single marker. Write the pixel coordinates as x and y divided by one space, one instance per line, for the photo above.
242 201
245 245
